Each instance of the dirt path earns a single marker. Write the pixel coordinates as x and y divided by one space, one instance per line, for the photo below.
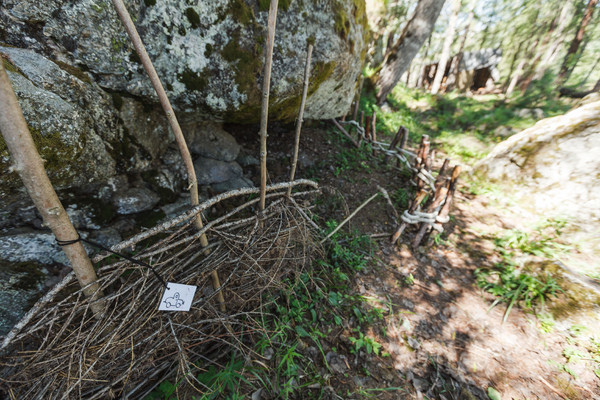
443 333
442 341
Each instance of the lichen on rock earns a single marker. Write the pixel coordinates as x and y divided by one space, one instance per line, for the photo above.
210 54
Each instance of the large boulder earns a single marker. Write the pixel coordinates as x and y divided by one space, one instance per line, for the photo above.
553 167
208 55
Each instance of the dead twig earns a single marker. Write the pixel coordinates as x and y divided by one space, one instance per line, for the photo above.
341 128
349 217
300 115
264 113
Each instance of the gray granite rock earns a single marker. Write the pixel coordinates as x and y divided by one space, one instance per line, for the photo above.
209 171
208 54
552 167
209 139
232 184
134 200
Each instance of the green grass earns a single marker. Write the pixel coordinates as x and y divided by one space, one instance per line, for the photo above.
462 126
508 281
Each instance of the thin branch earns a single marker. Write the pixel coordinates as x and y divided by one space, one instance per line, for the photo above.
349 217
341 128
264 114
300 115
166 105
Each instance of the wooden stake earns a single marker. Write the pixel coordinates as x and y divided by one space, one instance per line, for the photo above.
394 142
445 210
439 179
422 160
411 209
341 128
355 112
404 138
362 124
264 114
374 131
30 167
438 198
179 138
300 115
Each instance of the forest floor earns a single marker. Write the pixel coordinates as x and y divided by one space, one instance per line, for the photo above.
385 321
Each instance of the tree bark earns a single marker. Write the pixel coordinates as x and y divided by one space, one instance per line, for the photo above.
576 42
30 167
552 50
454 68
515 78
528 77
399 57
441 70
421 70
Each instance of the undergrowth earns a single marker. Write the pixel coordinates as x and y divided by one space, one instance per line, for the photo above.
313 305
509 281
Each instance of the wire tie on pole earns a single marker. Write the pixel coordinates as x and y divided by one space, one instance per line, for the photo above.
101 247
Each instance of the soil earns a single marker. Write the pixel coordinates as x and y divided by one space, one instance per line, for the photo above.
443 340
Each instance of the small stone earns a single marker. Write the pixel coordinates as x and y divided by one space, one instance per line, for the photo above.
209 139
232 184
246 160
413 343
269 352
210 171
107 237
135 200
257 395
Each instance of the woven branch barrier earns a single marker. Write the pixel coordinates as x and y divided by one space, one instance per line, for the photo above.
438 190
60 351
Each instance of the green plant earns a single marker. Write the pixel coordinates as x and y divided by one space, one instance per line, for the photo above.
512 286
368 343
224 382
409 280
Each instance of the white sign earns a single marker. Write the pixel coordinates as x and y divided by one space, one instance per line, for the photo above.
177 297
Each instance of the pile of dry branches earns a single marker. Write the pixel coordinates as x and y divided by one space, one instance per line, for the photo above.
60 350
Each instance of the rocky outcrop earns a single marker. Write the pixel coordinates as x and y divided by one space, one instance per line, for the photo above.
553 167
208 54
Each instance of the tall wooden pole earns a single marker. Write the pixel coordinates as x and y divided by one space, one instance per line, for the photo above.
266 87
179 138
300 115
30 167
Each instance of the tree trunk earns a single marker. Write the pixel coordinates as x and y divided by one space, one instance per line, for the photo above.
512 66
441 70
568 61
552 50
454 68
515 77
399 57
539 52
590 73
421 70
28 163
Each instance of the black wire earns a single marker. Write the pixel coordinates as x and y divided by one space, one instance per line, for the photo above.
101 247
